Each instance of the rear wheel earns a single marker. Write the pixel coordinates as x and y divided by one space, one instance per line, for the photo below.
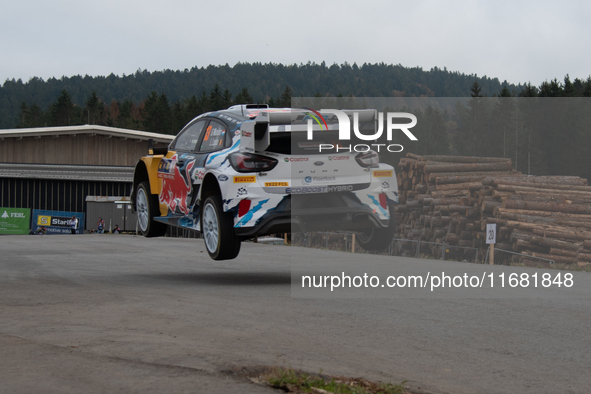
218 230
378 238
147 207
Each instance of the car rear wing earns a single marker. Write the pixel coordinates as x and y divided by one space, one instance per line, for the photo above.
255 134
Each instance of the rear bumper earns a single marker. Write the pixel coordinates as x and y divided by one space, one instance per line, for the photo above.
301 214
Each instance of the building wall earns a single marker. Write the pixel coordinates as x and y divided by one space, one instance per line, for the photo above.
75 150
56 195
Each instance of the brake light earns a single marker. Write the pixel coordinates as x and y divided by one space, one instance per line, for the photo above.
368 159
247 162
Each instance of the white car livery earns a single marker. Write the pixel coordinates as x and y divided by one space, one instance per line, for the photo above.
250 170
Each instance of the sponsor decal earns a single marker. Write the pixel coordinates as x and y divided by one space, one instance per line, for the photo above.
344 157
272 184
199 175
54 221
340 188
13 215
166 169
43 220
382 173
176 188
245 179
57 222
324 178
241 192
207 133
309 179
166 166
222 178
295 159
14 220
385 185
246 133
304 190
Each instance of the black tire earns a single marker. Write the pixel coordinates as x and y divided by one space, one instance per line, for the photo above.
378 238
217 228
147 207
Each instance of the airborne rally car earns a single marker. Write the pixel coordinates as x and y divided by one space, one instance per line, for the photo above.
250 171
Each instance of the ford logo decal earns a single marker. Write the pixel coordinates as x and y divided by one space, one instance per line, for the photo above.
318 163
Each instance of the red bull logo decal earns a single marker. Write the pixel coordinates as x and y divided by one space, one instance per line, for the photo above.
176 189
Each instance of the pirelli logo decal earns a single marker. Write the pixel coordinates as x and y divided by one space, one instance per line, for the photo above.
245 179
271 184
382 173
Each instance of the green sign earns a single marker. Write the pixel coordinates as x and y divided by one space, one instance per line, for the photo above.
14 220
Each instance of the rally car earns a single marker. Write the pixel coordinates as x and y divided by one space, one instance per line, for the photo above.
251 170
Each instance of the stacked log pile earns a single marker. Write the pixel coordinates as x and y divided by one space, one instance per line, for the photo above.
547 216
440 198
450 199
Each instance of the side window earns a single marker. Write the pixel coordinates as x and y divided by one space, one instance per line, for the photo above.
188 139
214 137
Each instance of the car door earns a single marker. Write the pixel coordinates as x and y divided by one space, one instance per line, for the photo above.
214 138
177 170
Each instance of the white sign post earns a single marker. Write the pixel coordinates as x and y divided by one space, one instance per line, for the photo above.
491 238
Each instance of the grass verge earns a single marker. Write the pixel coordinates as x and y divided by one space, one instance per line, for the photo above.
293 381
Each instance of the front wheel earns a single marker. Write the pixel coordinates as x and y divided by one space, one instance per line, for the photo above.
146 208
218 230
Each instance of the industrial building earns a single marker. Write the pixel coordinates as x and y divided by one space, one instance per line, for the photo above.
62 168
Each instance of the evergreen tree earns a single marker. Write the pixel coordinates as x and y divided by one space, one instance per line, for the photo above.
178 117
156 114
472 138
503 120
551 89
63 112
192 109
216 101
243 97
226 99
431 130
569 88
36 116
113 114
92 108
204 103
285 99
126 119
24 116
587 88
529 91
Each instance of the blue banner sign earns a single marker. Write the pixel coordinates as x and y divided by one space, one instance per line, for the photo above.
57 222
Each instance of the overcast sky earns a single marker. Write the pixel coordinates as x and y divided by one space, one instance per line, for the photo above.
517 41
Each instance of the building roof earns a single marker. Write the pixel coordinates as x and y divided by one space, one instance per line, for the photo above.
67 172
85 129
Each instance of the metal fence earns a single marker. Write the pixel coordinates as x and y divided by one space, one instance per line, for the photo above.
413 248
398 246
507 257
441 251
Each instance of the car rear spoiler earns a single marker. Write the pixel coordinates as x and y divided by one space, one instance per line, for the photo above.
256 133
